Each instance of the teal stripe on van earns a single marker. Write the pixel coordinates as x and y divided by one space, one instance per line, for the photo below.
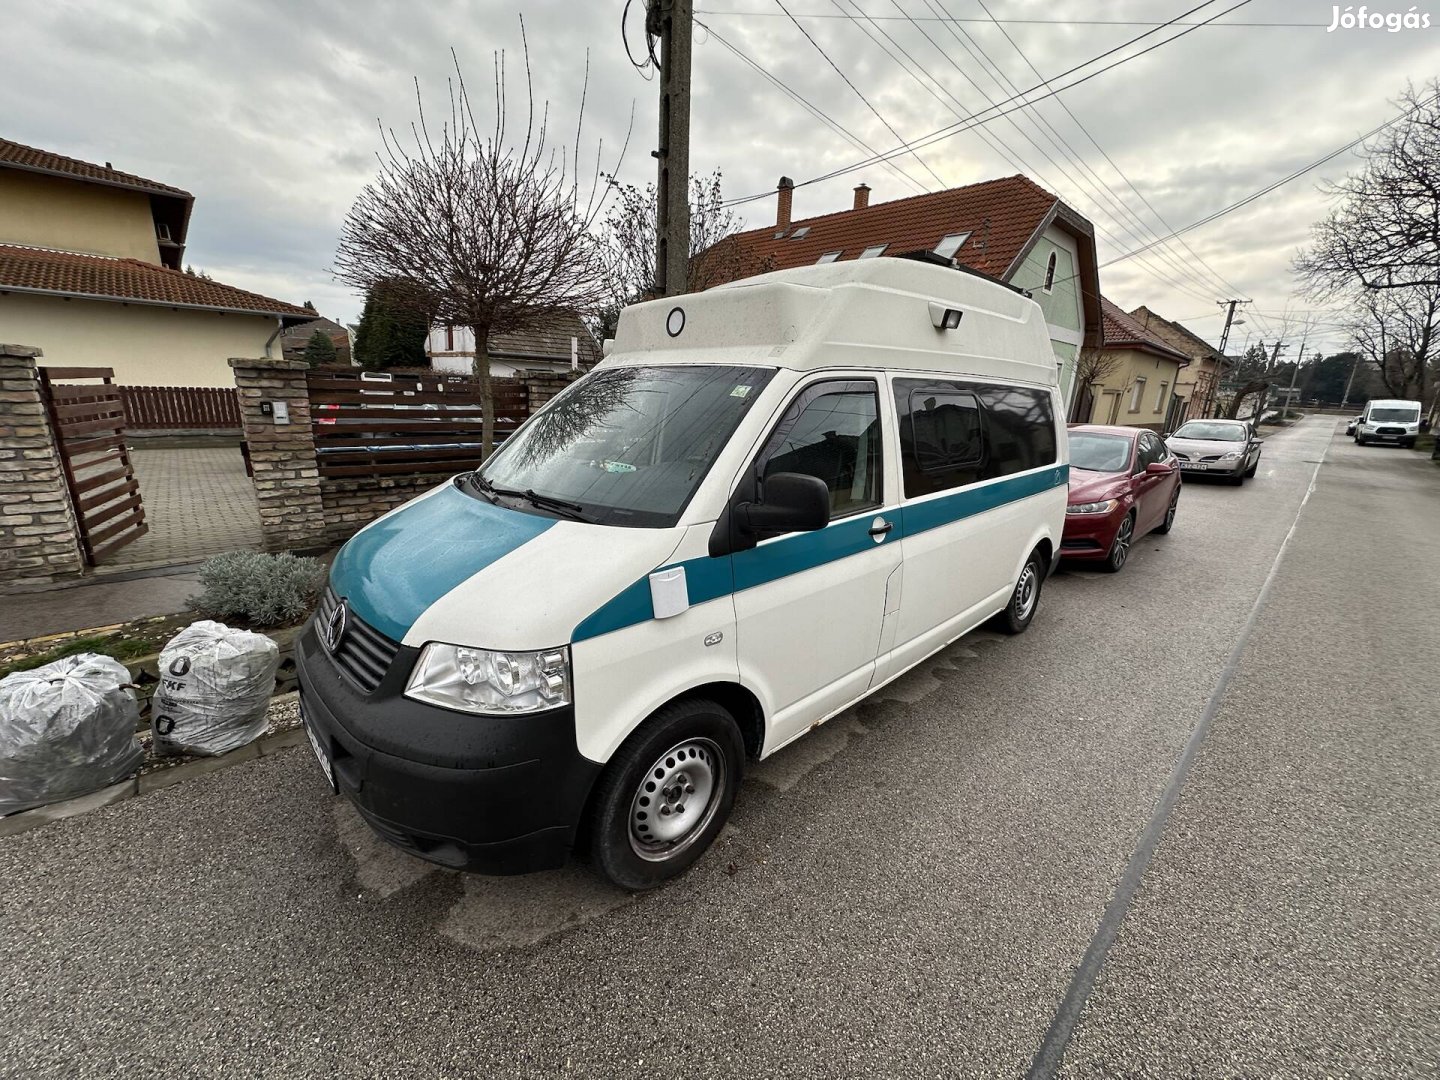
709 579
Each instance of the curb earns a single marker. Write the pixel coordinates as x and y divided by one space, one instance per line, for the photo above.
156 779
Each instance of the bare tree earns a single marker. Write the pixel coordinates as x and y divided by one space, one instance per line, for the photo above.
630 237
1092 366
1385 234
474 228
1397 333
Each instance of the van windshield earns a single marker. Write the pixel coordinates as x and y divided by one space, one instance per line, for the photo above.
1402 415
625 445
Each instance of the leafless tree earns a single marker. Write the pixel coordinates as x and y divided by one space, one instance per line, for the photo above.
1092 366
1385 234
1397 333
630 237
476 228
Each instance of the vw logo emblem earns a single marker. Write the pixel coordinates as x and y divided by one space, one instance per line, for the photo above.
333 628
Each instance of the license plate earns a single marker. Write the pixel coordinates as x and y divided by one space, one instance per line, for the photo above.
320 754
1194 465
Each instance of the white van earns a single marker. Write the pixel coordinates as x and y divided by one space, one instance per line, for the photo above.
770 499
1388 420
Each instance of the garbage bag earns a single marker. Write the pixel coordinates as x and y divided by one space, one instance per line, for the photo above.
66 729
215 685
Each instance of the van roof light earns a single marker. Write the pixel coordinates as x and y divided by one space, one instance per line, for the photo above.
943 318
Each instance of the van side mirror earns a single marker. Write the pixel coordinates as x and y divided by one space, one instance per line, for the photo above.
793 502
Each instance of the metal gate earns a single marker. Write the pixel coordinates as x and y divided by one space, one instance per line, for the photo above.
89 426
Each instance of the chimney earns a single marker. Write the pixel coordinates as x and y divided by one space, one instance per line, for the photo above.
786 190
862 197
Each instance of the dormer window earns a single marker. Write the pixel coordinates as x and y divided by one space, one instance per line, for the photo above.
871 252
947 247
1050 273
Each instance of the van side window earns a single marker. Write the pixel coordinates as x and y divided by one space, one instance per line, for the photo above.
954 433
833 432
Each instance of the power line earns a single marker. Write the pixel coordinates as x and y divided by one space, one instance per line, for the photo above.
860 95
1009 22
975 119
809 106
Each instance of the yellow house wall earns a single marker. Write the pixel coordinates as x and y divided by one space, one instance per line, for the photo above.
1135 365
147 346
49 211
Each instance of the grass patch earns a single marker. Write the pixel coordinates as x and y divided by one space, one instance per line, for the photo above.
1425 444
139 639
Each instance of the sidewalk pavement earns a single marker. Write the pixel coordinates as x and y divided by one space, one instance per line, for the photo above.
96 602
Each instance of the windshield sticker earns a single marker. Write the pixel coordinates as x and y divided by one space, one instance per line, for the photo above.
617 466
740 390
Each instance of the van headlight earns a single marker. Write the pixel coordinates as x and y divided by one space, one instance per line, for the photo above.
483 681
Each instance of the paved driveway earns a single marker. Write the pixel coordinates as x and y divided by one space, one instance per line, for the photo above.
908 891
198 502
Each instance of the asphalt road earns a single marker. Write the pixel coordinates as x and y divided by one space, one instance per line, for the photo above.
908 891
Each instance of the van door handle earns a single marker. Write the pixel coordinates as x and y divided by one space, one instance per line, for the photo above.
879 527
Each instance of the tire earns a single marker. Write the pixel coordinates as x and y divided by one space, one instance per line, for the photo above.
1169 522
1408 444
1250 472
1120 546
1237 478
1359 440
1024 598
687 751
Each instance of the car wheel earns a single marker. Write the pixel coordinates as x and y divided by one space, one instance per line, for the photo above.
1169 522
1251 470
1408 444
1359 440
666 794
1025 598
1120 546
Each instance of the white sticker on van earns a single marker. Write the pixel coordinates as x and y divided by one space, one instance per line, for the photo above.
740 391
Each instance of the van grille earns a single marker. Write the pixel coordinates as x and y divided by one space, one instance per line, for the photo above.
1389 431
364 654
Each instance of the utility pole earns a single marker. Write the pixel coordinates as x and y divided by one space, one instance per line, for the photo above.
1264 394
1354 366
671 22
1224 338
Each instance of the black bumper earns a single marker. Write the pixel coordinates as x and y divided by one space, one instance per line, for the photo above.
494 795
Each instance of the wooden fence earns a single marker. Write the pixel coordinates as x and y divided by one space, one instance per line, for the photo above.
180 408
366 425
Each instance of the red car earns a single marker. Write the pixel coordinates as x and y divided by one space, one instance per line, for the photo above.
1124 483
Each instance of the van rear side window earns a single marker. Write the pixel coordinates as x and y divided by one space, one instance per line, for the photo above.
955 433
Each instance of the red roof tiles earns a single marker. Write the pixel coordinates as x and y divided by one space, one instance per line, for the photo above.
1001 217
100 277
28 157
1123 332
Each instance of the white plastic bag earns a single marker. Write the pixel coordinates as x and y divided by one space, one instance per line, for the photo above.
215 684
66 729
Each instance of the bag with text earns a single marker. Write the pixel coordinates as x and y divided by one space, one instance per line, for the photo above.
215 685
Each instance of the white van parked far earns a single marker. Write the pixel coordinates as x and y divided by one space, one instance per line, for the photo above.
1388 420
771 499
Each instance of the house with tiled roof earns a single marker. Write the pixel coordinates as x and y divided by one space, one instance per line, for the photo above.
1010 229
1199 384
553 343
1135 371
90 272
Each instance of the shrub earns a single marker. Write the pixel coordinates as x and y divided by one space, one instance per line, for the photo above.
258 590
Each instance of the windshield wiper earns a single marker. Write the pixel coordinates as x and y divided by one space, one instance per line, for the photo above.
559 506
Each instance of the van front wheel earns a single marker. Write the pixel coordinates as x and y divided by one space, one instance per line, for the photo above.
1026 597
666 794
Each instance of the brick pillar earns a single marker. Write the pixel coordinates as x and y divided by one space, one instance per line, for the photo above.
541 388
39 541
287 479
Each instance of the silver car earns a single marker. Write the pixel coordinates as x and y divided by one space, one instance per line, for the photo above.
1228 448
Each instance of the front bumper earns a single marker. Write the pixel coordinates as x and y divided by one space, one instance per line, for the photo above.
495 795
1089 536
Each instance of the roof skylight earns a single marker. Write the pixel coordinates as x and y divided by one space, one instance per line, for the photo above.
829 256
947 247
871 252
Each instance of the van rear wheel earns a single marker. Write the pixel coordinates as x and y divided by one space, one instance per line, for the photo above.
666 794
1026 597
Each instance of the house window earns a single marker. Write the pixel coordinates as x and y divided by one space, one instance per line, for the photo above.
829 256
1160 397
947 247
449 339
1138 395
871 252
1050 277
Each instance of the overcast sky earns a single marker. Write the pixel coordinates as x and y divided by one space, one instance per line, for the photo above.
266 110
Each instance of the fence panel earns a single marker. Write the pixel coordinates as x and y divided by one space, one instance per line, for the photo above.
399 424
180 408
